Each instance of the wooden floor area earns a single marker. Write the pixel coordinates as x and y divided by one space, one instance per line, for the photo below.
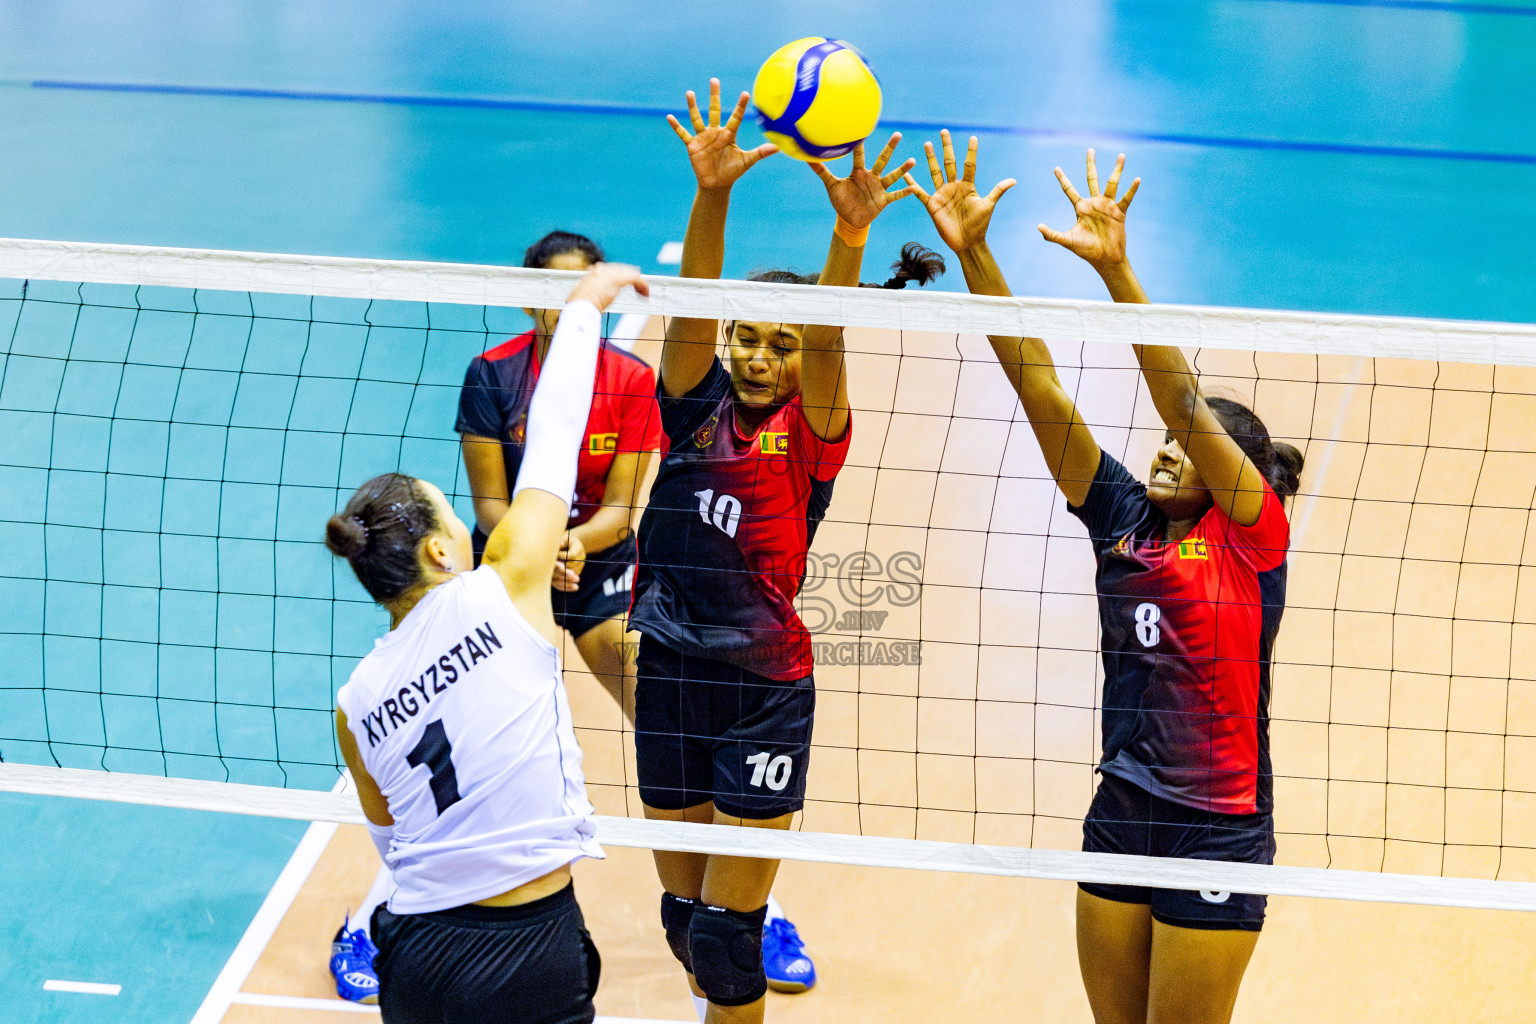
910 947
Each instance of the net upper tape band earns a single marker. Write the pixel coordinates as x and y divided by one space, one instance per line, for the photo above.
950 313
866 851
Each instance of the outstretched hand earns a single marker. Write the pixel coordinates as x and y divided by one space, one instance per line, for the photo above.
859 198
959 212
602 284
1099 234
717 161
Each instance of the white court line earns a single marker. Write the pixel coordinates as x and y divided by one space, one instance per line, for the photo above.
1319 473
302 1003
226 987
628 330
342 1006
89 988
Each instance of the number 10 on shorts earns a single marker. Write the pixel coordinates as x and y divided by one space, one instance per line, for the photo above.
774 772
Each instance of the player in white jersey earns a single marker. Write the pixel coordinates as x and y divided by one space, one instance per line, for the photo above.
457 730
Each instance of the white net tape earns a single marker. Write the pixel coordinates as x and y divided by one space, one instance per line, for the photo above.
1094 322
822 847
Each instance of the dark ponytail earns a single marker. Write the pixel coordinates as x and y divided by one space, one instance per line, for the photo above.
380 534
916 264
1279 462
557 243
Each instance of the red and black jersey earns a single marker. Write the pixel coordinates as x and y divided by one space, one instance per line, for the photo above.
724 538
1188 630
499 386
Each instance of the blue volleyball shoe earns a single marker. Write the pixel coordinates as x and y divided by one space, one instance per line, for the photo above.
352 956
784 959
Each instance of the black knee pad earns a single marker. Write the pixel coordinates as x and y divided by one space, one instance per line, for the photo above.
727 951
676 916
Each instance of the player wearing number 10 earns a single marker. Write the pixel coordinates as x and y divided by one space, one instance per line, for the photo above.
724 695
457 730
1191 585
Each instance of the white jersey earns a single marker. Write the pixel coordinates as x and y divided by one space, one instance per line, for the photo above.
462 720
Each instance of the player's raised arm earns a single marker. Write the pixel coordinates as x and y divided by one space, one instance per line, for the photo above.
962 216
1098 237
857 199
523 546
717 164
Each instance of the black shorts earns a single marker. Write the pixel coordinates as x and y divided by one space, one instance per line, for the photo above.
533 964
603 592
708 730
1124 818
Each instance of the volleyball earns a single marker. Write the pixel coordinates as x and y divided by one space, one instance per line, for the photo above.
816 98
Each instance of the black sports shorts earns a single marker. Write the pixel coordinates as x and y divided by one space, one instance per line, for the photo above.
603 592
532 964
708 730
1124 818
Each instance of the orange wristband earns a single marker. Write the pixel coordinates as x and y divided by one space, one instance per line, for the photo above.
852 236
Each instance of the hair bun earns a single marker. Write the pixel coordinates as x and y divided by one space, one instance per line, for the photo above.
346 535
1288 464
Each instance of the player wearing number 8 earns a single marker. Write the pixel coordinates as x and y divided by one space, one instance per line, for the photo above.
457 730
1191 586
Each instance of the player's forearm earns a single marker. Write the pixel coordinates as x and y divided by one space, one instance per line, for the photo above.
607 527
1174 388
1027 362
1121 281
982 274
488 512
844 262
690 343
704 242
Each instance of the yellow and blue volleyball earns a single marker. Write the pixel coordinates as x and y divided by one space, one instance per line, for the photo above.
816 98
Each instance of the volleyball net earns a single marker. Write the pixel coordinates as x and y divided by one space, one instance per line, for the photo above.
178 425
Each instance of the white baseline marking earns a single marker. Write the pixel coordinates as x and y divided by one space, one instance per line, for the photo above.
226 987
89 988
628 330
1319 473
302 1003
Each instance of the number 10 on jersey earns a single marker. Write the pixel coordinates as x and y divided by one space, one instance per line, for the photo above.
723 511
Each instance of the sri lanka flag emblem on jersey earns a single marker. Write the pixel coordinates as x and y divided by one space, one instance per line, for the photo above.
774 442
598 444
1193 547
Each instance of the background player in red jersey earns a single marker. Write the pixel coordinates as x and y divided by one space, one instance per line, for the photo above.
725 696
1191 585
592 578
